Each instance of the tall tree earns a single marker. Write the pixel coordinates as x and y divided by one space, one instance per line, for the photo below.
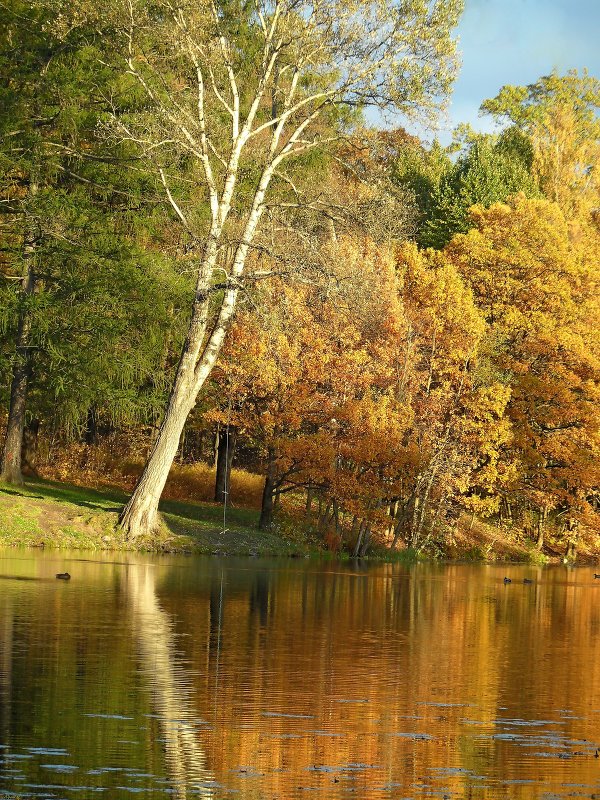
420 170
67 222
43 81
559 113
237 93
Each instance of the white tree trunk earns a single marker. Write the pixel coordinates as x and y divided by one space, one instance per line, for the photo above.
140 515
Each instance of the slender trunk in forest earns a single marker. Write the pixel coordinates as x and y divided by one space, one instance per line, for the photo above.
417 539
336 517
354 525
403 516
414 522
266 511
30 447
572 540
366 542
541 525
140 515
309 498
392 513
398 530
192 446
11 457
90 434
324 516
10 470
359 540
571 551
225 453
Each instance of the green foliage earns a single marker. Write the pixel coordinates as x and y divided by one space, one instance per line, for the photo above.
559 115
526 106
490 171
421 171
105 285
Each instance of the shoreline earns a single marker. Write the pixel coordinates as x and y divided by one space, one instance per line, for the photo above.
60 516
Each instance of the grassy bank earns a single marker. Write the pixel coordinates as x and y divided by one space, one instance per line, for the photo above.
57 515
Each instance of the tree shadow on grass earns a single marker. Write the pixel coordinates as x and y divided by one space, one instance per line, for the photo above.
209 517
184 525
76 495
17 493
212 514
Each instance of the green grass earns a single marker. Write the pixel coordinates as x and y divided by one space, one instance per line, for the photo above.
406 556
62 516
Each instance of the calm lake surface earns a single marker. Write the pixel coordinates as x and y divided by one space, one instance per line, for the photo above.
199 677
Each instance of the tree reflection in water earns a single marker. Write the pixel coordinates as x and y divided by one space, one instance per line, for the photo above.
169 686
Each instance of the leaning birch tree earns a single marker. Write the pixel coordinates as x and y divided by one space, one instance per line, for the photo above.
234 93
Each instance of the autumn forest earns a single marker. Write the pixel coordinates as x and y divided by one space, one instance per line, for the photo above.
228 268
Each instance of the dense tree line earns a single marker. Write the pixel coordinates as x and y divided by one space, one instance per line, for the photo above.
201 242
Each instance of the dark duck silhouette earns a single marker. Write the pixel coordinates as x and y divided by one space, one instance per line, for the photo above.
507 580
527 580
63 576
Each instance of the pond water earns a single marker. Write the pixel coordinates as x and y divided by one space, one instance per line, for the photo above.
195 677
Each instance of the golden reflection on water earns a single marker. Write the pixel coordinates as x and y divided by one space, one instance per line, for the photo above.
206 678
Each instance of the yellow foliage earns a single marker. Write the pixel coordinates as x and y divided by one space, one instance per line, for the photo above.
196 482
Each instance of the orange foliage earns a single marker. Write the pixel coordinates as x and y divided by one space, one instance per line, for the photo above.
367 396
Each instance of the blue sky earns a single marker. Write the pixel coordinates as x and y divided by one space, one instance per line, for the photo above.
517 41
